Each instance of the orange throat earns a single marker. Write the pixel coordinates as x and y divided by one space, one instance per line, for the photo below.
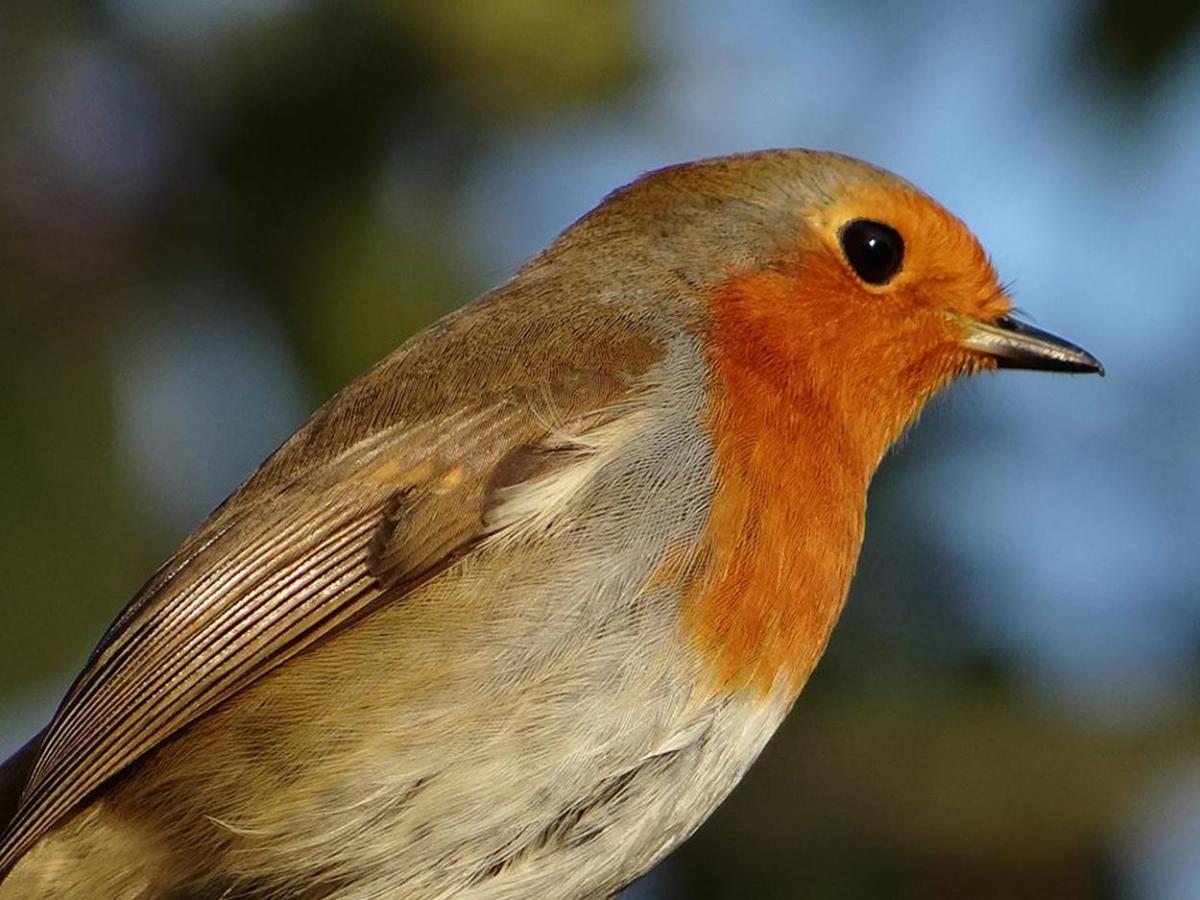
768 579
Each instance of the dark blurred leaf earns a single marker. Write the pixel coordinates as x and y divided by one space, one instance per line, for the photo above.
1133 41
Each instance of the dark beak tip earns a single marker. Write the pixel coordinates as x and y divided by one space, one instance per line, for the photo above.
1025 347
1089 365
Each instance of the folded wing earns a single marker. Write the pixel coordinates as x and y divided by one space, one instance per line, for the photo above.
276 570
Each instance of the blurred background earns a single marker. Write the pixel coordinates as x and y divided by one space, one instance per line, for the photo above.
215 212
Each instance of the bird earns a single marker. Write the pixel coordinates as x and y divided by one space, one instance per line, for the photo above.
516 610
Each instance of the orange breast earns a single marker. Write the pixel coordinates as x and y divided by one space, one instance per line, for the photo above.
770 575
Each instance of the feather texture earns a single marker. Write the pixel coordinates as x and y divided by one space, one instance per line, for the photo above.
515 610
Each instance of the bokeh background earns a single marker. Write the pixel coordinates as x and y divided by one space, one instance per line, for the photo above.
215 212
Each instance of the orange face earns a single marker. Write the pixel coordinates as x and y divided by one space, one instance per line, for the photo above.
869 314
819 361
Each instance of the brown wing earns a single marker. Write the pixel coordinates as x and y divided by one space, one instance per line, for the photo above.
388 484
263 581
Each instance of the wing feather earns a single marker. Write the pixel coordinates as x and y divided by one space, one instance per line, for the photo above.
153 647
185 654
261 582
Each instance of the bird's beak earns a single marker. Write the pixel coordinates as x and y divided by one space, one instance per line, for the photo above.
1016 345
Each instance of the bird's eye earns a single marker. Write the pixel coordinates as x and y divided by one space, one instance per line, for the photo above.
875 251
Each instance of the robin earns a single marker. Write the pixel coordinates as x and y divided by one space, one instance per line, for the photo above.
516 609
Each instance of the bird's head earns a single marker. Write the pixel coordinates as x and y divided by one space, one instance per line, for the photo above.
829 277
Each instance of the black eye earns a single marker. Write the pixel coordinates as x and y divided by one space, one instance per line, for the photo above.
874 250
